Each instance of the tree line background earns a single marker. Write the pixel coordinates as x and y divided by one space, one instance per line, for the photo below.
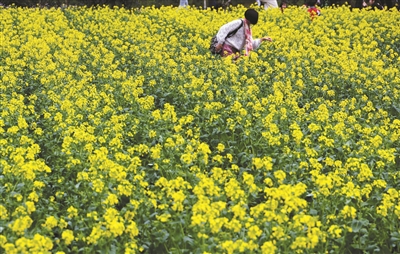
133 3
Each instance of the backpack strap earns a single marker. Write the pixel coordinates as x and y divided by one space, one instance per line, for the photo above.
230 34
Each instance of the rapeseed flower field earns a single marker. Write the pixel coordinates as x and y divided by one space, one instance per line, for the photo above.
121 133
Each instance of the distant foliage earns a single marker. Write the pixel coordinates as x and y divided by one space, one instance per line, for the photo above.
141 3
121 133
120 3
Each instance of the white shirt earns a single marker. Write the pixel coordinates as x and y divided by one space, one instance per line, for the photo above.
237 40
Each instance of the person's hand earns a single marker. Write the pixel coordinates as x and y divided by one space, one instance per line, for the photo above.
218 47
266 39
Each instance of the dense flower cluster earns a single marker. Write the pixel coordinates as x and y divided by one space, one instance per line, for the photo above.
121 133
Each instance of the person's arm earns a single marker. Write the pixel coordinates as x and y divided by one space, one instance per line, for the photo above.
266 38
258 42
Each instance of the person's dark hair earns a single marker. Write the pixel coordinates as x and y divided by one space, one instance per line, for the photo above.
252 16
311 2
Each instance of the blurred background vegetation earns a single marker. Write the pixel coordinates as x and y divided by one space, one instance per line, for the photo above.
133 3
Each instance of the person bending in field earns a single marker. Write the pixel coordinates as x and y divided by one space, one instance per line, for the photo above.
235 36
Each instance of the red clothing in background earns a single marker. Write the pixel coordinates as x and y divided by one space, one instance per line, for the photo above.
314 11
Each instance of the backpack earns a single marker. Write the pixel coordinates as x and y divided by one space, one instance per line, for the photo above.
214 41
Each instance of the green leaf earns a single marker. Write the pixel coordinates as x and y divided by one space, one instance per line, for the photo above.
162 236
188 240
313 212
356 225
